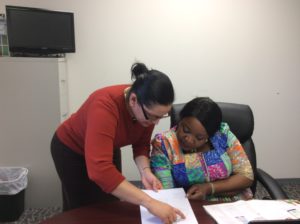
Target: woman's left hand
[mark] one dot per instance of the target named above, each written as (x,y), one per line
(198,191)
(150,181)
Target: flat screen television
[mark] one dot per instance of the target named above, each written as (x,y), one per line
(39,31)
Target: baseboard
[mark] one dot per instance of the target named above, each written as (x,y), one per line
(288,180)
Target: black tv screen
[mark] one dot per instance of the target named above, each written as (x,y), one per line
(40,31)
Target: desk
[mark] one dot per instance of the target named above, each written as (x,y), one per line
(117,213)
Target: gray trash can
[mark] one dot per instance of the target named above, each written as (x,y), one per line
(13,182)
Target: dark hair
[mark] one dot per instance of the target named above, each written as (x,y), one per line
(151,86)
(206,111)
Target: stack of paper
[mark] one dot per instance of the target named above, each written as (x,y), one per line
(175,197)
(242,212)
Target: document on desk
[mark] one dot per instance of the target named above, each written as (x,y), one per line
(241,212)
(175,197)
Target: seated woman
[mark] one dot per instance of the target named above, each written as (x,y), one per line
(202,155)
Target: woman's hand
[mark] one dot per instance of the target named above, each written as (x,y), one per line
(165,212)
(130,193)
(149,180)
(199,191)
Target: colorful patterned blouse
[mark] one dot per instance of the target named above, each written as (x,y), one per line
(176,169)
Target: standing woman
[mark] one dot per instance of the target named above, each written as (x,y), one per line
(112,117)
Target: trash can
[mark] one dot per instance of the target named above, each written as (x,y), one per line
(13,182)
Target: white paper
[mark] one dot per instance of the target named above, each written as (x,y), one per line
(242,212)
(175,197)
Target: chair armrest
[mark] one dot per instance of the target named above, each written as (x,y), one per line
(271,185)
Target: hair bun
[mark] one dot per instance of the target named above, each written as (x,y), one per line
(137,69)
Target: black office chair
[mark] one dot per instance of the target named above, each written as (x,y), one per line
(241,122)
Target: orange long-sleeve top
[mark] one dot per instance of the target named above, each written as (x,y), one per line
(101,124)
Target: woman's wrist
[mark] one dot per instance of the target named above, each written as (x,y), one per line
(146,168)
(146,202)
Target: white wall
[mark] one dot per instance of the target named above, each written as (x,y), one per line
(231,50)
(31,99)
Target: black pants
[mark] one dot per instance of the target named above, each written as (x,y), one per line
(77,189)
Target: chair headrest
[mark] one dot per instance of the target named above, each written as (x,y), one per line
(238,116)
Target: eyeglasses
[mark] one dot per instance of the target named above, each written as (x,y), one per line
(151,117)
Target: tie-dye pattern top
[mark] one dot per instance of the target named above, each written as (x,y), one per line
(174,168)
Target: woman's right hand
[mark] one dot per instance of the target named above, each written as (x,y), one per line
(150,181)
(165,212)
(130,193)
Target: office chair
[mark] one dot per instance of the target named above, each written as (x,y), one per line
(241,122)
